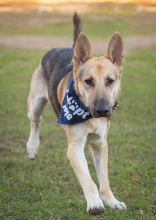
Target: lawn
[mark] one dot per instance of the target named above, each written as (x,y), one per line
(46,188)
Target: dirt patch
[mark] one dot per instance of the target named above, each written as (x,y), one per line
(34,42)
(99,46)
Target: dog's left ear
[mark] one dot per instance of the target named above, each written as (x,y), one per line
(115,49)
(82,50)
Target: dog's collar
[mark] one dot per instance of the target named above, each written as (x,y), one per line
(116,106)
(73,111)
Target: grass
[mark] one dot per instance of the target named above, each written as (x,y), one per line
(47,188)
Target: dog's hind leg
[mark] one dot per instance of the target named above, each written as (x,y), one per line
(37,99)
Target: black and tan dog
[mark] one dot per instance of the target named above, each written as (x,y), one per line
(96,83)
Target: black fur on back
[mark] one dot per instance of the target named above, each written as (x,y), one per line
(57,64)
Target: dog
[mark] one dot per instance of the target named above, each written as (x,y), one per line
(83,91)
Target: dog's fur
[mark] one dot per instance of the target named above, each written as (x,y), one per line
(97,83)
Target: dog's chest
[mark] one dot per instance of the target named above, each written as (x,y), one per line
(98,130)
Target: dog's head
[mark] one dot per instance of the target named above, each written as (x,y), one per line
(97,79)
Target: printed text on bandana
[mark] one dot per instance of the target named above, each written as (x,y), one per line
(75,109)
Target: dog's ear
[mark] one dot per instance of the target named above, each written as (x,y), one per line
(82,50)
(115,49)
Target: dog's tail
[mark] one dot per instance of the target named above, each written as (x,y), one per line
(77,27)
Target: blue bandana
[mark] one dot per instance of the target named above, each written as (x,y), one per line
(73,111)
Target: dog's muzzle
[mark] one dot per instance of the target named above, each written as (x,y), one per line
(101,109)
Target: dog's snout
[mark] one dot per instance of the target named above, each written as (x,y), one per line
(101,112)
(102,109)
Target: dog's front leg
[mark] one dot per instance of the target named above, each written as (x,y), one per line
(100,158)
(76,144)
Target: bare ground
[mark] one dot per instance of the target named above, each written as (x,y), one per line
(98,45)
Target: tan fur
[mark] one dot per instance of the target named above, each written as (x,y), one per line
(62,88)
(37,99)
(91,69)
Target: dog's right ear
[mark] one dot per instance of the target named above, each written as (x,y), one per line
(82,50)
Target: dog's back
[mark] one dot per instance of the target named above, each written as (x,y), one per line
(57,64)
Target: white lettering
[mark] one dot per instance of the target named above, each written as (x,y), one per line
(79,111)
(85,115)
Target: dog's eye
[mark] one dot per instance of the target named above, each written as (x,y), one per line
(89,82)
(109,81)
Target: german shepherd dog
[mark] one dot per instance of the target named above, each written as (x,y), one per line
(97,85)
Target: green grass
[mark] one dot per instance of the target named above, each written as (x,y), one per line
(96,26)
(47,188)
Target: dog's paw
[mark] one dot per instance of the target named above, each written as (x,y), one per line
(113,203)
(96,210)
(32,149)
(95,207)
(31,156)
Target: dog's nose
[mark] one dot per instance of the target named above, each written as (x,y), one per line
(102,110)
